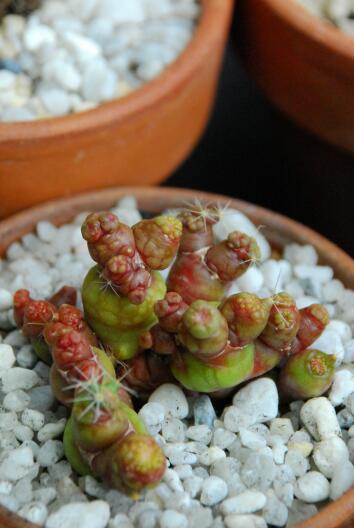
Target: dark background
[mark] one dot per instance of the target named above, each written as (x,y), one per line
(252,152)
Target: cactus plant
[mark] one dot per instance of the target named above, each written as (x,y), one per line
(144,330)
(19,7)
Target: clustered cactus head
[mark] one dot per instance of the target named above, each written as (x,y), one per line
(186,329)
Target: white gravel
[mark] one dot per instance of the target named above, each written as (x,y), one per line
(244,466)
(70,56)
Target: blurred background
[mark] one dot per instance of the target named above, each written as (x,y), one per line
(252,152)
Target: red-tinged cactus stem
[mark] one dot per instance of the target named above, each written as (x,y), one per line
(246,315)
(307,374)
(72,317)
(283,323)
(107,237)
(197,228)
(232,257)
(265,359)
(20,300)
(128,277)
(313,320)
(145,372)
(36,315)
(157,240)
(203,331)
(170,311)
(135,463)
(66,295)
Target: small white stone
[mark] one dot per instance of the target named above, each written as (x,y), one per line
(34,512)
(284,492)
(26,357)
(258,471)
(332,290)
(51,430)
(172,480)
(172,398)
(259,400)
(46,231)
(193,485)
(121,520)
(50,452)
(56,101)
(342,480)
(228,469)
(275,513)
(90,515)
(173,519)
(99,82)
(17,464)
(321,273)
(342,387)
(5,299)
(15,339)
(234,419)
(214,490)
(282,427)
(349,352)
(250,439)
(17,401)
(184,471)
(312,487)
(200,433)
(211,455)
(297,462)
(33,419)
(330,454)
(7,357)
(319,417)
(18,378)
(251,281)
(341,328)
(247,502)
(244,521)
(223,438)
(36,36)
(152,414)
(173,430)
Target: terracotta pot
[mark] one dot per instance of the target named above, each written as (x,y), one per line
(304,65)
(278,229)
(137,140)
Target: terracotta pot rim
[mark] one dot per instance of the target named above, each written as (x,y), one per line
(336,513)
(192,57)
(316,29)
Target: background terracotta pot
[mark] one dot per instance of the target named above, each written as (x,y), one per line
(279,231)
(304,65)
(137,140)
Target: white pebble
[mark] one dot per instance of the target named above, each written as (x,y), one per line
(251,281)
(152,414)
(247,502)
(297,462)
(34,512)
(275,513)
(312,487)
(51,430)
(7,357)
(173,430)
(173,519)
(342,387)
(172,480)
(214,490)
(282,427)
(89,515)
(349,352)
(330,343)
(259,400)
(250,439)
(33,419)
(211,455)
(200,433)
(245,521)
(342,480)
(319,417)
(321,273)
(16,401)
(172,398)
(193,485)
(223,438)
(50,452)
(329,454)
(5,299)
(17,464)
(19,378)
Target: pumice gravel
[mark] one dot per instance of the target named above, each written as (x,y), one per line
(246,466)
(72,55)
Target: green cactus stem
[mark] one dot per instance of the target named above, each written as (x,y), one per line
(114,319)
(307,374)
(226,371)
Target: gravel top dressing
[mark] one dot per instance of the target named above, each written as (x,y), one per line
(338,12)
(253,464)
(71,55)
